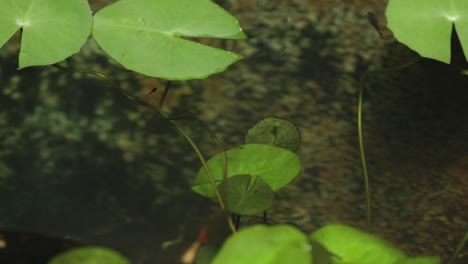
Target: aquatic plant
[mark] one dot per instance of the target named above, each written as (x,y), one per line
(148,37)
(428,32)
(329,244)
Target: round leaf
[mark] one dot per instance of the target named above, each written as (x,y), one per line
(89,255)
(147,36)
(247,196)
(265,245)
(276,132)
(52,29)
(426,25)
(276,166)
(351,245)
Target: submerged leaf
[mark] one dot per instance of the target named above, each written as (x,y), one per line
(247,195)
(276,166)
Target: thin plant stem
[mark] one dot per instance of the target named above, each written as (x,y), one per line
(164,94)
(361,137)
(460,247)
(182,131)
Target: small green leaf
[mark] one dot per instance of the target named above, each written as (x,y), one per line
(426,25)
(89,255)
(52,29)
(276,166)
(147,36)
(265,245)
(275,132)
(246,197)
(350,245)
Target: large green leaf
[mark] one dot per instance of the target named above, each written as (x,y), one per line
(147,36)
(247,195)
(265,245)
(52,29)
(89,255)
(276,166)
(351,245)
(426,25)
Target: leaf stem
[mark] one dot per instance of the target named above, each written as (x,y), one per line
(360,132)
(459,248)
(164,94)
(182,131)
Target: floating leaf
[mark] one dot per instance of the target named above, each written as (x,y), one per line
(147,36)
(247,195)
(426,25)
(52,29)
(276,166)
(89,255)
(350,245)
(265,245)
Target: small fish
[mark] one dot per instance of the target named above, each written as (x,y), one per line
(374,22)
(152,91)
(189,255)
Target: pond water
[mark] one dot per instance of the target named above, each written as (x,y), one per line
(79,161)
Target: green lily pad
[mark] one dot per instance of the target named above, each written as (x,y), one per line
(426,25)
(52,29)
(350,245)
(89,255)
(265,245)
(276,166)
(246,197)
(147,36)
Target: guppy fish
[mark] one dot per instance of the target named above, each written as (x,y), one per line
(374,22)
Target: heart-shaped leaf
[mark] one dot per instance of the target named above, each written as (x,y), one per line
(276,166)
(52,29)
(147,36)
(426,25)
(246,197)
(265,245)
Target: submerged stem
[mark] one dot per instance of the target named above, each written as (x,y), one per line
(182,131)
(361,137)
(164,94)
(459,248)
